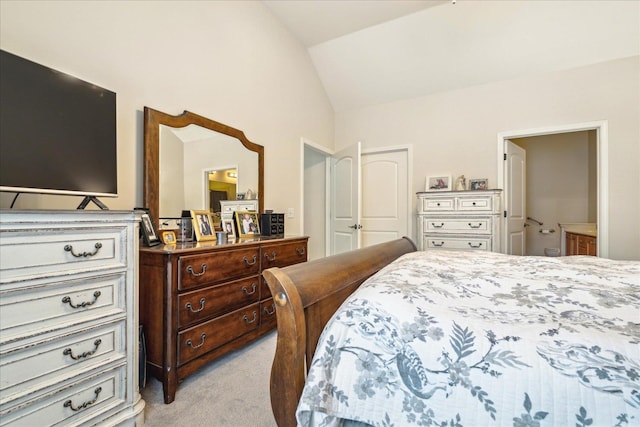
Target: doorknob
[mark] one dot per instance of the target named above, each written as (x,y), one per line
(355,226)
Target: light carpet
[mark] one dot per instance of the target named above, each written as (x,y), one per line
(231,391)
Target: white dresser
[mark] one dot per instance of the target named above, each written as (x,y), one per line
(228,207)
(459,220)
(69,318)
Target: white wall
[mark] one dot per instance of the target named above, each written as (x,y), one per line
(227,60)
(456,132)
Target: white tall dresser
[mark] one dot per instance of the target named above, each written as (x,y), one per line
(459,220)
(69,318)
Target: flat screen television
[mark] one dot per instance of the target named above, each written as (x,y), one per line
(57,132)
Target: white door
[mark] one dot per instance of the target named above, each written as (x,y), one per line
(385,197)
(345,200)
(515,198)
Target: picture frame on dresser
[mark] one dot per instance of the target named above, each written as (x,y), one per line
(438,183)
(148,229)
(227,227)
(203,225)
(168,237)
(247,223)
(479,184)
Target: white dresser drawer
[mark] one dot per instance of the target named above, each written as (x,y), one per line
(481,203)
(62,358)
(478,243)
(456,225)
(72,405)
(52,306)
(50,252)
(439,204)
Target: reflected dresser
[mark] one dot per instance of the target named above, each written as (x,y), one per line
(68,318)
(459,220)
(199,301)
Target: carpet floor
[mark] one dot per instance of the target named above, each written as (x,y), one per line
(231,391)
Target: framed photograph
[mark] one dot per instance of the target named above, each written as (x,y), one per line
(168,237)
(149,231)
(479,184)
(203,225)
(227,227)
(247,223)
(438,183)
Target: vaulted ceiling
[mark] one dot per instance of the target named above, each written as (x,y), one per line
(372,52)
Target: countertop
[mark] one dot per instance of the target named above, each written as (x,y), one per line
(585,228)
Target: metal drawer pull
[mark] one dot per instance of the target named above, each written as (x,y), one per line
(69,352)
(479,245)
(69,403)
(190,343)
(474,203)
(189,307)
(437,226)
(203,268)
(246,319)
(246,291)
(475,226)
(301,251)
(69,248)
(273,254)
(246,261)
(436,244)
(270,309)
(67,300)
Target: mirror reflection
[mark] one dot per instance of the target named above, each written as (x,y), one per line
(192,163)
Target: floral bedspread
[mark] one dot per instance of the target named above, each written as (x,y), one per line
(454,338)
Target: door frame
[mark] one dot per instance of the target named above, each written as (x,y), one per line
(602,143)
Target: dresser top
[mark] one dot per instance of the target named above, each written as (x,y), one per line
(453,192)
(194,246)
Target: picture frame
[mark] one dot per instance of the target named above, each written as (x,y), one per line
(247,223)
(203,225)
(478,184)
(168,237)
(148,229)
(438,183)
(227,227)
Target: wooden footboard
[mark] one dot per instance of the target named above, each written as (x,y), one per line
(306,296)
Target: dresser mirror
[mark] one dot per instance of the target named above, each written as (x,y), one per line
(192,162)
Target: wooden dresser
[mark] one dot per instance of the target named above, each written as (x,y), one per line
(459,220)
(68,318)
(581,244)
(199,301)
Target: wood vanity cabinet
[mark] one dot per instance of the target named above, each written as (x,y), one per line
(580,244)
(199,301)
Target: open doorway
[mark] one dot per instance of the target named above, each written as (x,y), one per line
(558,197)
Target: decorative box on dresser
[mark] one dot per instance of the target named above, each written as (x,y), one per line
(68,318)
(199,301)
(459,220)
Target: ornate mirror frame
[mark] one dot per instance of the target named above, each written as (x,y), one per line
(152,121)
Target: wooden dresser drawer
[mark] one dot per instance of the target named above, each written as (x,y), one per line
(468,225)
(268,314)
(283,254)
(74,404)
(207,336)
(53,361)
(197,305)
(57,305)
(439,204)
(479,243)
(52,253)
(202,269)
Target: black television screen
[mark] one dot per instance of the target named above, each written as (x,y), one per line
(57,132)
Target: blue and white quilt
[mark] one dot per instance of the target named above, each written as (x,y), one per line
(455,338)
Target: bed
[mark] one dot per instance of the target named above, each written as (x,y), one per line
(456,338)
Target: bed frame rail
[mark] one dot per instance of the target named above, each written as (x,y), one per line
(306,296)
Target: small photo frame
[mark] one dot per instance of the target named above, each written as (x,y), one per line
(203,225)
(247,223)
(479,184)
(227,227)
(438,183)
(168,237)
(149,231)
